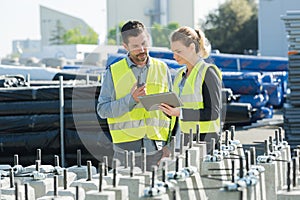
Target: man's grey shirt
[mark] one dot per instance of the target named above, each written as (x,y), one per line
(108,106)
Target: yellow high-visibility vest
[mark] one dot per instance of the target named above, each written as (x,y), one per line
(191,97)
(138,122)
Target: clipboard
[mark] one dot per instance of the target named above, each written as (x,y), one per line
(151,102)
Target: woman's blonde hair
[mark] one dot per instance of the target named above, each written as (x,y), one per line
(188,36)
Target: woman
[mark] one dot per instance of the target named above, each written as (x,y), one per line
(198,84)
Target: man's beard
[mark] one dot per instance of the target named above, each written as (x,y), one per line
(142,57)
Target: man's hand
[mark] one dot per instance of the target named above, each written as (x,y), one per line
(137,92)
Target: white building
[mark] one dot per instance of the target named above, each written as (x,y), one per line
(26,46)
(272,35)
(50,20)
(185,12)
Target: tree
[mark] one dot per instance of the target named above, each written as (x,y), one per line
(57,34)
(159,34)
(74,36)
(232,28)
(112,34)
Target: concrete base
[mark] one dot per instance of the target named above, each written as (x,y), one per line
(41,187)
(210,182)
(43,168)
(21,193)
(271,180)
(88,185)
(70,192)
(81,172)
(160,197)
(234,195)
(71,176)
(202,152)
(126,171)
(104,195)
(292,195)
(55,198)
(135,186)
(121,192)
(148,177)
(197,183)
(194,157)
(108,179)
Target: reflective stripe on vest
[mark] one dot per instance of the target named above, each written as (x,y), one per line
(138,122)
(192,98)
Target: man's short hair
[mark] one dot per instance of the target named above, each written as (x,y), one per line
(131,29)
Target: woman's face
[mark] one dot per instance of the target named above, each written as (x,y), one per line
(182,54)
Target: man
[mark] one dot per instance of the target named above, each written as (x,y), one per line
(131,126)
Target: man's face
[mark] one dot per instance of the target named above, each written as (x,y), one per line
(138,48)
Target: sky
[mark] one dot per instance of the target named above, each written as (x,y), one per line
(20,18)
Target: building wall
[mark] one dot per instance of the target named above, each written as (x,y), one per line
(271,29)
(48,23)
(26,46)
(182,12)
(179,11)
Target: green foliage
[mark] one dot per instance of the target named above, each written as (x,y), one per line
(159,34)
(112,33)
(74,36)
(232,28)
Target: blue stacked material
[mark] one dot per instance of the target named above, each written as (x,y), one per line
(275,93)
(122,51)
(171,63)
(243,83)
(112,58)
(256,101)
(281,77)
(162,54)
(261,113)
(249,63)
(153,53)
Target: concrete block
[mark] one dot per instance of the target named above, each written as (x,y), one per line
(209,181)
(70,192)
(237,195)
(41,187)
(271,180)
(55,198)
(194,157)
(71,176)
(135,186)
(121,192)
(10,192)
(147,175)
(291,195)
(202,151)
(81,172)
(104,195)
(88,185)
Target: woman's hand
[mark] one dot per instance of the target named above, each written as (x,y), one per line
(169,110)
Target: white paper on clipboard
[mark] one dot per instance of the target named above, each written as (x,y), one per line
(152,101)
